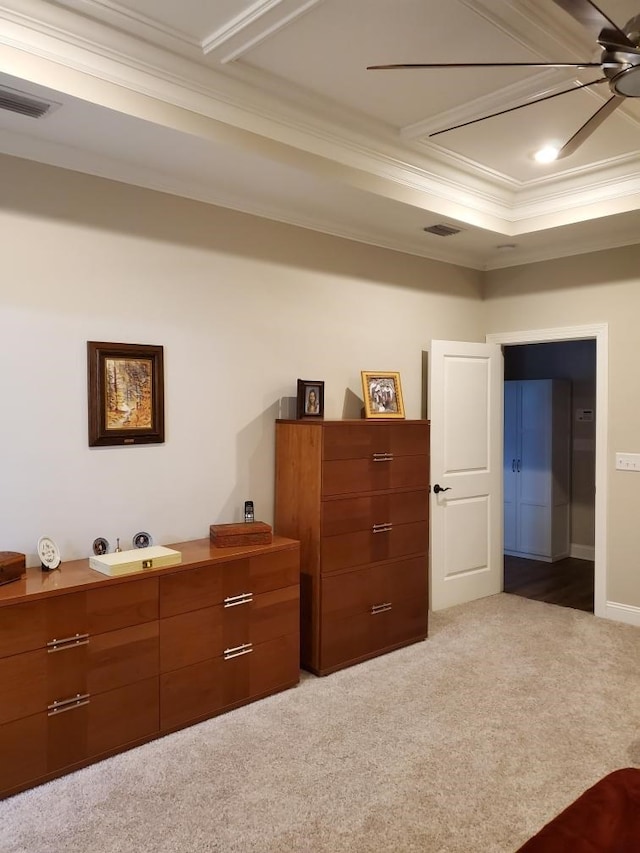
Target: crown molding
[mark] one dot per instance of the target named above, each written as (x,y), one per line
(253,26)
(613,189)
(568,249)
(114,23)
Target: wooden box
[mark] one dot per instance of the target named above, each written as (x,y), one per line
(243,533)
(12,566)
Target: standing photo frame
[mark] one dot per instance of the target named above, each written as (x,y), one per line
(310,400)
(126,393)
(382,394)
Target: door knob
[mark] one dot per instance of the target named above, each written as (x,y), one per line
(438,489)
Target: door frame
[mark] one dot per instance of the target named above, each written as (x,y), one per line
(599,332)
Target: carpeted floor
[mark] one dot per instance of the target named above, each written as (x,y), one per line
(467,742)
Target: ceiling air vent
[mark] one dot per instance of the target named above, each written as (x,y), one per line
(442,230)
(26,105)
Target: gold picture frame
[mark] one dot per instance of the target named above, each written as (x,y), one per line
(382,394)
(126,394)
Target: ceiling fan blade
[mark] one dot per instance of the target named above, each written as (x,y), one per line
(520,106)
(595,21)
(589,126)
(487,65)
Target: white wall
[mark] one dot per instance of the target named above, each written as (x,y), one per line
(242,307)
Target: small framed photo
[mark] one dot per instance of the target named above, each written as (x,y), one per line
(382,394)
(310,399)
(126,394)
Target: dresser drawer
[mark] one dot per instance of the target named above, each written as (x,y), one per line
(57,619)
(22,685)
(352,476)
(371,546)
(22,627)
(362,440)
(99,724)
(345,641)
(213,584)
(347,515)
(110,728)
(120,605)
(33,624)
(198,635)
(367,590)
(118,658)
(210,687)
(23,747)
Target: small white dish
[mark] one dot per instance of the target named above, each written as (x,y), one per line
(49,553)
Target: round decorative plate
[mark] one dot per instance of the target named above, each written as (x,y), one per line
(142,540)
(100,546)
(48,552)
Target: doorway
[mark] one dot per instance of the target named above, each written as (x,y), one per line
(561,573)
(596,444)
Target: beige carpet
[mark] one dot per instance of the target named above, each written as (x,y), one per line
(465,743)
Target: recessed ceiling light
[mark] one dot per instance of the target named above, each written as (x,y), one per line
(546,155)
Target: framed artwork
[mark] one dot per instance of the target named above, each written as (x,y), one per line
(382,394)
(126,394)
(310,403)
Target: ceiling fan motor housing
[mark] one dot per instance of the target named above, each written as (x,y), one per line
(626,82)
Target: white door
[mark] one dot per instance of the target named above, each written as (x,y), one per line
(466,472)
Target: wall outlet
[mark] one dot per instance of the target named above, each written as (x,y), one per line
(628,461)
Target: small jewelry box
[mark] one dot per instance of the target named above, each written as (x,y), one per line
(243,533)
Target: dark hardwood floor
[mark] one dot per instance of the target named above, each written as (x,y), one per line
(568,583)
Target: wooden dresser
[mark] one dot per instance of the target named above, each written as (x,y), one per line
(92,665)
(356,495)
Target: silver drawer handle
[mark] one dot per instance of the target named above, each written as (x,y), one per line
(381,608)
(62,705)
(235,600)
(382,528)
(67,643)
(383,457)
(236,651)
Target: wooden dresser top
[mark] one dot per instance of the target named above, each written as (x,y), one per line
(76,574)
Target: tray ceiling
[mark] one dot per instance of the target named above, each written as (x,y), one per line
(268,107)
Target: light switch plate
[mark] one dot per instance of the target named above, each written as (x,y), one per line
(628,461)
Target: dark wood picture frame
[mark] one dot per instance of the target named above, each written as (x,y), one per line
(382,394)
(126,393)
(310,401)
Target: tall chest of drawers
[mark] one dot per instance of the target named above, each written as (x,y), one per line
(356,496)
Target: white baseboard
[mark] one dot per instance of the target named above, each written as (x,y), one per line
(623,613)
(583,552)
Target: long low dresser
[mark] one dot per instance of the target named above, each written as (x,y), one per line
(93,665)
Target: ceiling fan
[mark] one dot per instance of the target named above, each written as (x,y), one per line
(620,62)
